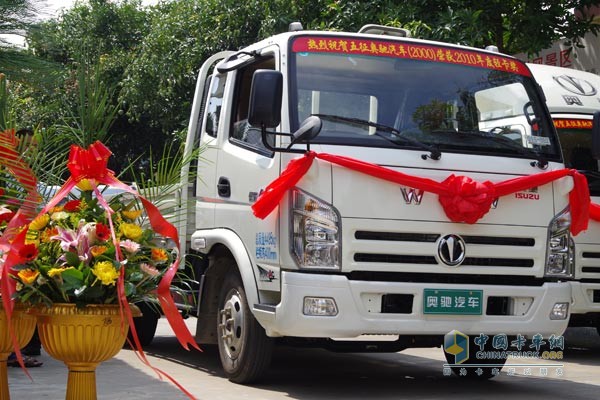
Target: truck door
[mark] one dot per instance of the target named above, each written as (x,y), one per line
(244,168)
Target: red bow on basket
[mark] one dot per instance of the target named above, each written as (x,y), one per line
(462,198)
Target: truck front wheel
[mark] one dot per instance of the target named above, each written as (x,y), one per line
(244,348)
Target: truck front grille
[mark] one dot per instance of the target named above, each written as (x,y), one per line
(497,249)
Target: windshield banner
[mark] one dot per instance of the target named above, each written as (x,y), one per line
(408,50)
(561,123)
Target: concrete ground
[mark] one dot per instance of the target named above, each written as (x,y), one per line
(300,373)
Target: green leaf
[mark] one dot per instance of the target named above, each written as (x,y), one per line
(73,279)
(72,259)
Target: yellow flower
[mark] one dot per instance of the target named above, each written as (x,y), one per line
(158,254)
(106,272)
(131,214)
(57,271)
(131,231)
(85,185)
(39,223)
(28,276)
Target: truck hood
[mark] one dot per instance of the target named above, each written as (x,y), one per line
(375,198)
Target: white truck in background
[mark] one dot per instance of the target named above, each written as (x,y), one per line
(573,97)
(347,257)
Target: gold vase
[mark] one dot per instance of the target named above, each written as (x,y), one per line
(23,325)
(82,338)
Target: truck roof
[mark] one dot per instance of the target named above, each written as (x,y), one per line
(568,90)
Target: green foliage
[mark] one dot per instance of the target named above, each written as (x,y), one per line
(514,26)
(146,59)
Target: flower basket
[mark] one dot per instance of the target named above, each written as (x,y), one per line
(82,337)
(23,324)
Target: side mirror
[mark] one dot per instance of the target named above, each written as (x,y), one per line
(265,98)
(596,136)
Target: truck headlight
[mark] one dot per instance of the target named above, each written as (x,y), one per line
(560,250)
(315,232)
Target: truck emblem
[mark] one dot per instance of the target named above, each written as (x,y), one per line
(411,195)
(576,85)
(451,250)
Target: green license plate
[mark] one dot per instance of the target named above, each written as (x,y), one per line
(452,301)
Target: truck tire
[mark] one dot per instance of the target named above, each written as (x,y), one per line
(244,348)
(480,372)
(145,326)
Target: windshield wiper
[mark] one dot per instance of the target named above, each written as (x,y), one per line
(434,153)
(539,162)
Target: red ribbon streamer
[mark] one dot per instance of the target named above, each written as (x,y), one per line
(595,212)
(463,199)
(91,164)
(13,162)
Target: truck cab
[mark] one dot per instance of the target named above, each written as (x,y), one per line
(346,259)
(573,97)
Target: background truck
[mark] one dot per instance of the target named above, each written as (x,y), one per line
(347,260)
(573,97)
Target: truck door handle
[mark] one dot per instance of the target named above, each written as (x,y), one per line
(224,187)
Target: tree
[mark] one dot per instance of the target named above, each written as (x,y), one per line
(514,26)
(16,18)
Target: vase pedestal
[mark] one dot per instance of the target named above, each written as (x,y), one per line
(82,338)
(23,325)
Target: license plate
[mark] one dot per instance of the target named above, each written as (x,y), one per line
(452,301)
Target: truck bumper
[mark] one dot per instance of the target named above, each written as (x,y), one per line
(359,309)
(583,297)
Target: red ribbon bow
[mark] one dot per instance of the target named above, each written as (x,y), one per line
(466,200)
(91,163)
(463,199)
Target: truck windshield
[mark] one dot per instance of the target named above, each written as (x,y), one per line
(576,140)
(450,99)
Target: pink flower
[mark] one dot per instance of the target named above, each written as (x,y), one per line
(130,246)
(149,269)
(67,237)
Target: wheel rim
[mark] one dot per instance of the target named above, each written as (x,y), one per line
(231,323)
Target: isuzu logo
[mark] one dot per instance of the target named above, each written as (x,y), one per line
(576,85)
(411,195)
(451,250)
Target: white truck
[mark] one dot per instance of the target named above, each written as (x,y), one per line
(573,97)
(349,261)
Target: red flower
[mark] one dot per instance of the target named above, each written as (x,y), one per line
(6,215)
(72,206)
(102,232)
(28,252)
(1,192)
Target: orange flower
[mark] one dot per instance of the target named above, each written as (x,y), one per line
(98,250)
(47,234)
(28,276)
(158,254)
